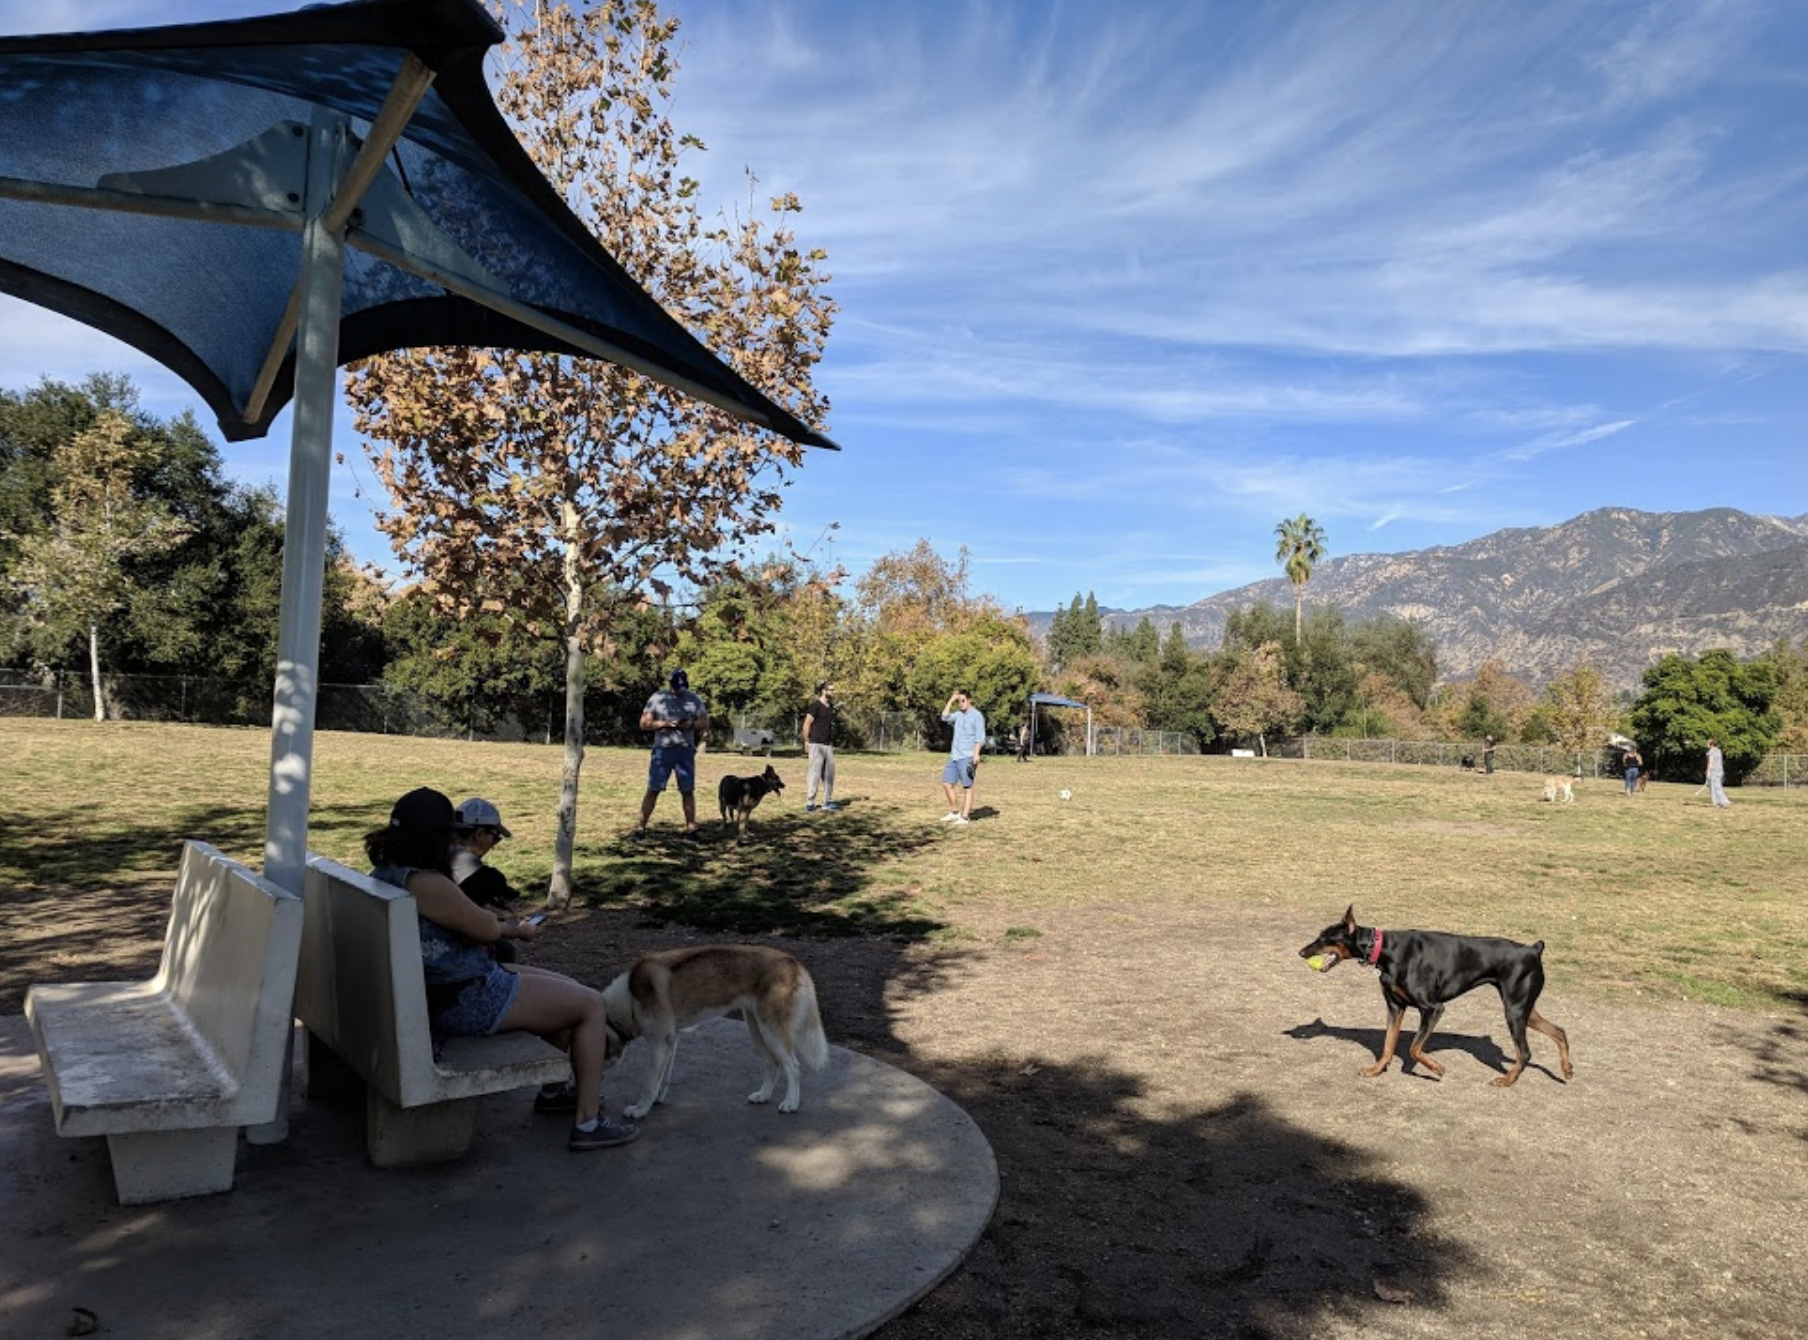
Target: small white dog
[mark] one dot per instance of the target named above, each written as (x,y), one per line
(1559,788)
(681,988)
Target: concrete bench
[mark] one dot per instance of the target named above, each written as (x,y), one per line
(361,995)
(170,1069)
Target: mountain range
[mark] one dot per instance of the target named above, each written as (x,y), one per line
(1617,587)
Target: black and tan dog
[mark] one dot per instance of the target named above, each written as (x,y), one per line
(1428,969)
(738,796)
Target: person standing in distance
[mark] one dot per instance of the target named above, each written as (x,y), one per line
(819,744)
(1488,756)
(963,755)
(1717,775)
(675,716)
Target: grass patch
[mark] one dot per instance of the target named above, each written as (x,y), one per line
(1647,893)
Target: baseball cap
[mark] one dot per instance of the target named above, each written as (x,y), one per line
(423,807)
(479,813)
(680,680)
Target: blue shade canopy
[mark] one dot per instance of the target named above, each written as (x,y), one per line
(152,180)
(1053,700)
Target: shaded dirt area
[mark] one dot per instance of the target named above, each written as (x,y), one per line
(1186,1148)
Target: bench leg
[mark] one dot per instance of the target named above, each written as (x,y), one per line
(401,1137)
(169,1165)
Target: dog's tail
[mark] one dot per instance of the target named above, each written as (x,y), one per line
(806,1025)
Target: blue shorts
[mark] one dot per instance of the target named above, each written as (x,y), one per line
(479,1009)
(959,772)
(669,759)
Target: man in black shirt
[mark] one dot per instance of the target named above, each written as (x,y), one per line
(819,731)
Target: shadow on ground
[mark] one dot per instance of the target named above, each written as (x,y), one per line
(1781,1055)
(792,873)
(1245,1224)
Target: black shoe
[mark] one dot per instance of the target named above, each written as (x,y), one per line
(562,1099)
(692,836)
(637,835)
(607,1135)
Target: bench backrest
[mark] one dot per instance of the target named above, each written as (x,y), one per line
(360,988)
(229,962)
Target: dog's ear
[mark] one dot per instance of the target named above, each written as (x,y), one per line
(1349,917)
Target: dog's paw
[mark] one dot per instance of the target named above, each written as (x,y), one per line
(789,1105)
(760,1096)
(637,1111)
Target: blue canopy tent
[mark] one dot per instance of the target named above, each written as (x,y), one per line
(1041,700)
(255,202)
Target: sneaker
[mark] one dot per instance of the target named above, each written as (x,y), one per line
(692,835)
(639,834)
(962,819)
(606,1135)
(810,808)
(562,1099)
(830,807)
(951,817)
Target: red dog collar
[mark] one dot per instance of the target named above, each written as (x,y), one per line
(1375,949)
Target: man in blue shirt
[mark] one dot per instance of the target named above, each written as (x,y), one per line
(963,755)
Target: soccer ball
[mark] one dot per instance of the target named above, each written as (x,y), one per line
(1067,795)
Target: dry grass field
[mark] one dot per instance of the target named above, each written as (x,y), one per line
(1109,985)
(1658,893)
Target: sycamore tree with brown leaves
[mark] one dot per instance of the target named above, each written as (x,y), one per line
(561,491)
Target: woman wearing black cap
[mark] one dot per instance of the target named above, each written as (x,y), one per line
(469,994)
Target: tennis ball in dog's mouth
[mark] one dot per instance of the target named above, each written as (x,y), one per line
(1319,963)
(1067,795)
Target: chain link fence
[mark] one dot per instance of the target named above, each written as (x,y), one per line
(1121,741)
(1784,770)
(380,709)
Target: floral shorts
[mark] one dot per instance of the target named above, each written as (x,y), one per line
(480,1007)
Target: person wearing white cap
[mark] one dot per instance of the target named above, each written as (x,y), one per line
(480,828)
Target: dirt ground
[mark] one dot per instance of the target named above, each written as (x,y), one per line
(1186,1148)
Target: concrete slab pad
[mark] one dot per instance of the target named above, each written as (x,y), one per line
(723,1220)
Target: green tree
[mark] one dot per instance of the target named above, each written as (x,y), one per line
(993,658)
(1252,699)
(1319,668)
(1402,653)
(1299,545)
(566,491)
(1790,664)
(1579,709)
(1178,689)
(1687,702)
(1075,632)
(902,604)
(1141,644)
(75,573)
(1254,626)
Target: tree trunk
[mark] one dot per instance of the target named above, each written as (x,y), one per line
(1299,604)
(100,703)
(559,895)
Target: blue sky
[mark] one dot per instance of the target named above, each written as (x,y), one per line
(1119,293)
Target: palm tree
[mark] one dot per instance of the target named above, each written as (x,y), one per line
(1299,544)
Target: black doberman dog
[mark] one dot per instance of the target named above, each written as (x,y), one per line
(1428,969)
(738,795)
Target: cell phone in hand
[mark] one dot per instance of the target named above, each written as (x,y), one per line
(533,920)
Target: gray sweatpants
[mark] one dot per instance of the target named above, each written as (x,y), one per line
(822,772)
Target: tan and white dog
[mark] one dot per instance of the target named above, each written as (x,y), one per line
(681,988)
(1559,788)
